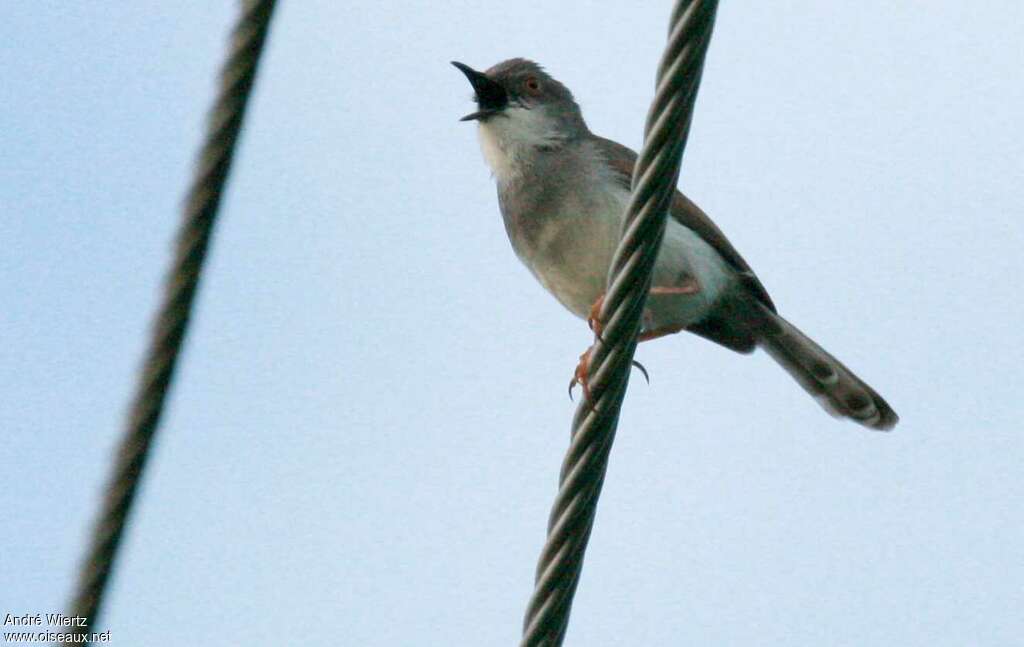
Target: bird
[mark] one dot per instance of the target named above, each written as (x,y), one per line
(563,192)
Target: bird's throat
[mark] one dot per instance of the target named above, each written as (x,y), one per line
(502,156)
(512,140)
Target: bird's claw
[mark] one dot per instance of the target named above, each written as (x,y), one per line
(581,374)
(643,371)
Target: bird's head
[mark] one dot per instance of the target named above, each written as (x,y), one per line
(521,105)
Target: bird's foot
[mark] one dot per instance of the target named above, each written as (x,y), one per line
(582,373)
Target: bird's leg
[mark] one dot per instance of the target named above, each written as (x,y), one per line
(594,320)
(689,286)
(582,372)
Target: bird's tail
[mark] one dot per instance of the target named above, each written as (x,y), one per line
(834,386)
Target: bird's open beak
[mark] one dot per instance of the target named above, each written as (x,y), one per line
(491,98)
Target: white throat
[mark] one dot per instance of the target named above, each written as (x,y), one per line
(509,139)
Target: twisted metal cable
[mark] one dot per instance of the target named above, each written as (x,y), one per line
(199,212)
(629,280)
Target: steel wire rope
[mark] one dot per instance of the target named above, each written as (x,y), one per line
(199,213)
(594,424)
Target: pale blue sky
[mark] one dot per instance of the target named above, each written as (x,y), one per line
(363,442)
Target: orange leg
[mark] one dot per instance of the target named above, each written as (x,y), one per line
(581,374)
(690,286)
(595,312)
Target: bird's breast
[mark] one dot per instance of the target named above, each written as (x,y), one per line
(567,240)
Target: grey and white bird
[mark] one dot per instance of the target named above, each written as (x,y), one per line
(563,192)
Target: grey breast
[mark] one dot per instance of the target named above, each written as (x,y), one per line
(563,217)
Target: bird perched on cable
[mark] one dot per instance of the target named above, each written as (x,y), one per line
(563,193)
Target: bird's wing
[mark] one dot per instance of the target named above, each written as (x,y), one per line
(622,160)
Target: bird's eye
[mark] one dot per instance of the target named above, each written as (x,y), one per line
(532,85)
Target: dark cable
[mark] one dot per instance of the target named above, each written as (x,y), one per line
(199,214)
(593,429)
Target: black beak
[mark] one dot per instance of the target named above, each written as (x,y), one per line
(491,98)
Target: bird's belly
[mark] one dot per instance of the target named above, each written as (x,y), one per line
(570,257)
